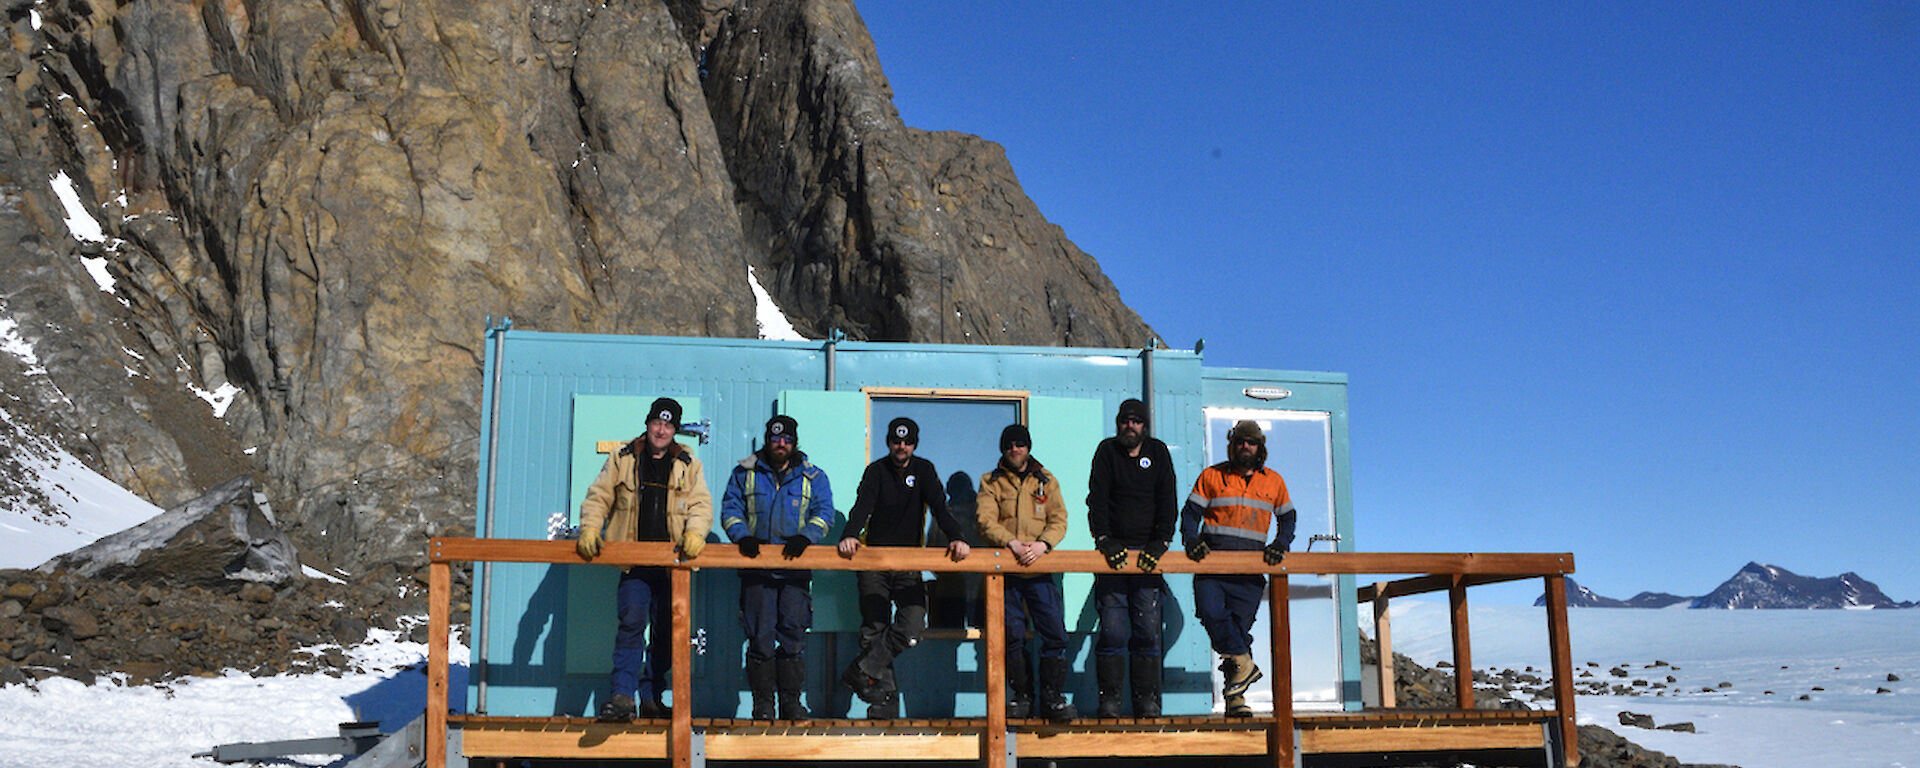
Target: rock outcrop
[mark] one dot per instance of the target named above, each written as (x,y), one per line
(313,206)
(225,535)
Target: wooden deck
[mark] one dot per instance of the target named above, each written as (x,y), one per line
(1281,736)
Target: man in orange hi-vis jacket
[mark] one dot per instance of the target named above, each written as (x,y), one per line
(1232,505)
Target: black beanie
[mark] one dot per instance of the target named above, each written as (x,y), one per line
(903,428)
(1014,433)
(783,425)
(665,409)
(1131,407)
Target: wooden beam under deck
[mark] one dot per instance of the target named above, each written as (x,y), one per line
(961,738)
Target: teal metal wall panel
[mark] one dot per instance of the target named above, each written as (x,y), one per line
(738,383)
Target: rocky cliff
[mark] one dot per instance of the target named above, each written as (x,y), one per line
(312,206)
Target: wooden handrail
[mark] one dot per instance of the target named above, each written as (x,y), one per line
(1450,571)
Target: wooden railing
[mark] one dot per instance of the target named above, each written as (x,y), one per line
(1453,572)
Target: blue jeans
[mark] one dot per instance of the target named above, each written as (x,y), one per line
(776,611)
(1130,621)
(642,659)
(1037,602)
(1226,606)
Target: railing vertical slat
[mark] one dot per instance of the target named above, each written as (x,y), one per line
(439,609)
(1280,620)
(680,746)
(1559,638)
(995,743)
(1462,645)
(1383,631)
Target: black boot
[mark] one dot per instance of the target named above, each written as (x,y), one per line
(1111,673)
(887,708)
(1020,680)
(870,676)
(1146,685)
(792,674)
(1053,690)
(760,681)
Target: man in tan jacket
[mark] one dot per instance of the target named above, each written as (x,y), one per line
(652,489)
(1020,508)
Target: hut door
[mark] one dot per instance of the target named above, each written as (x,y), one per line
(1300,448)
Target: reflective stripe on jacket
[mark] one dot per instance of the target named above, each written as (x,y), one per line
(771,507)
(1234,511)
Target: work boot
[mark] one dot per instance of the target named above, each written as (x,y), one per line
(1238,673)
(1110,672)
(1020,680)
(617,709)
(1146,685)
(792,675)
(655,709)
(1236,706)
(1053,690)
(887,708)
(760,681)
(869,677)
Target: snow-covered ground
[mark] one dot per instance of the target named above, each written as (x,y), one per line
(65,723)
(1771,658)
(87,507)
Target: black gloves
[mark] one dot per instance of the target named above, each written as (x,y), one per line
(1112,550)
(1198,550)
(1149,560)
(1274,553)
(749,546)
(796,545)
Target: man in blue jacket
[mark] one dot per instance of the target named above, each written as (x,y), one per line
(776,495)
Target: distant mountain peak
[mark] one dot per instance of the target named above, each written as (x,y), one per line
(1755,585)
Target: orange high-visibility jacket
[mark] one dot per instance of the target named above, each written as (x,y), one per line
(1234,511)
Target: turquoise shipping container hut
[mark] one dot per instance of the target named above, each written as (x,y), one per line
(542,635)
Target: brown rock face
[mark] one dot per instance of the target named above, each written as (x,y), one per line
(320,202)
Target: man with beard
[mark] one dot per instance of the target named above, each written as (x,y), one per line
(1130,505)
(776,495)
(890,510)
(655,490)
(1020,509)
(1231,507)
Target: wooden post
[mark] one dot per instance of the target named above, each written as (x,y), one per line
(680,744)
(1462,644)
(1280,739)
(439,608)
(1560,650)
(995,743)
(1383,631)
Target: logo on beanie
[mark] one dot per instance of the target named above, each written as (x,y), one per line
(664,415)
(910,479)
(777,428)
(1145,462)
(900,431)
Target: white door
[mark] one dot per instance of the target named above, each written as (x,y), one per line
(1300,448)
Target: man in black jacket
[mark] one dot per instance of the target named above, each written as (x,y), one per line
(1130,505)
(890,510)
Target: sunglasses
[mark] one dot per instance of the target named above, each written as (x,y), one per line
(1245,441)
(1019,444)
(788,439)
(1133,420)
(891,440)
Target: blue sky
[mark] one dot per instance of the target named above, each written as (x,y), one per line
(1631,280)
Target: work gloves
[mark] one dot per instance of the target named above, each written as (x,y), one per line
(749,546)
(795,546)
(1198,549)
(1115,554)
(589,544)
(1274,553)
(693,546)
(1148,560)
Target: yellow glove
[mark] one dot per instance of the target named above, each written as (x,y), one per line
(589,544)
(692,546)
